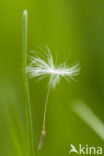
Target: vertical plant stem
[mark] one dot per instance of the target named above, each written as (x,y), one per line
(27,96)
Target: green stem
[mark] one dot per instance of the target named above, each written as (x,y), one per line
(27,96)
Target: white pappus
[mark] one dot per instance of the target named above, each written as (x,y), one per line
(43,66)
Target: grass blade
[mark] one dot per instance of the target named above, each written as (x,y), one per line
(27,96)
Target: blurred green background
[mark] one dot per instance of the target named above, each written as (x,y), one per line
(75,30)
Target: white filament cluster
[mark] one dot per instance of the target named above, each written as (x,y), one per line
(43,67)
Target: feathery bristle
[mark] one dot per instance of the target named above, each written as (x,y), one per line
(41,68)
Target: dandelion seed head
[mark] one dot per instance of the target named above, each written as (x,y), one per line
(43,67)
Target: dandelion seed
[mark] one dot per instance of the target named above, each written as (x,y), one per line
(41,68)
